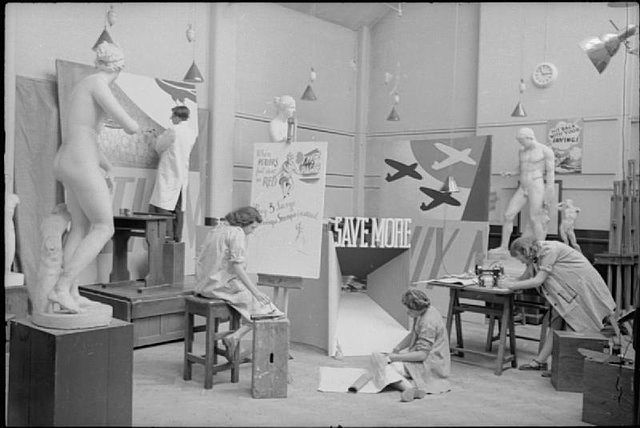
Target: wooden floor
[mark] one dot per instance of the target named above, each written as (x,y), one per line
(478,398)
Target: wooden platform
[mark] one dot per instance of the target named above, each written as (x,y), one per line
(157,313)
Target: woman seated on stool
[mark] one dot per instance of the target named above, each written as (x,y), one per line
(577,293)
(221,274)
(426,357)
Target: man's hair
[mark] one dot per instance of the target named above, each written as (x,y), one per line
(243,217)
(181,112)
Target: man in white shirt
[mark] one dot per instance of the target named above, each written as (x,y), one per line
(174,147)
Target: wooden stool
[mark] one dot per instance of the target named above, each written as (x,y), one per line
(215,311)
(270,358)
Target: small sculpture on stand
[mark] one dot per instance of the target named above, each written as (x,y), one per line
(283,127)
(536,186)
(569,215)
(11,200)
(45,312)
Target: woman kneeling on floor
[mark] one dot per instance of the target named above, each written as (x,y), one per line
(423,356)
(221,274)
(577,293)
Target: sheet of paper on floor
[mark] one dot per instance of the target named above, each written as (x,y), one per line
(339,379)
(364,327)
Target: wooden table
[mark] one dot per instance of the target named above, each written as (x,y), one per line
(500,306)
(151,227)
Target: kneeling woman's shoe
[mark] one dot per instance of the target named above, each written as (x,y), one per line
(533,365)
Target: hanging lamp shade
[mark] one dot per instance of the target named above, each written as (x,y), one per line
(104,37)
(601,49)
(193,75)
(450,185)
(308,94)
(393,115)
(519,111)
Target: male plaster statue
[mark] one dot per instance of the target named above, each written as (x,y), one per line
(569,216)
(86,173)
(536,175)
(11,200)
(283,127)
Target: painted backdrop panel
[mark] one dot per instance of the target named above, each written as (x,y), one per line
(288,189)
(415,171)
(149,101)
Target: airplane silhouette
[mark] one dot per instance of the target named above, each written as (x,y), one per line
(438,197)
(178,91)
(403,170)
(454,156)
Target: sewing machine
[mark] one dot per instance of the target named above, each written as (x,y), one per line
(488,277)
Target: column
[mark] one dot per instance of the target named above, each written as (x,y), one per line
(362,110)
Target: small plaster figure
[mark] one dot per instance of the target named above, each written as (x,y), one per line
(11,200)
(569,215)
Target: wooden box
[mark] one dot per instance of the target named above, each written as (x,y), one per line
(607,399)
(70,377)
(567,362)
(173,262)
(270,358)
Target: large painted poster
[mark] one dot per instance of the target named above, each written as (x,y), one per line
(416,170)
(564,136)
(288,189)
(149,101)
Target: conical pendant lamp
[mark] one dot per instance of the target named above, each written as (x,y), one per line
(450,185)
(519,110)
(193,75)
(308,94)
(601,49)
(393,115)
(104,37)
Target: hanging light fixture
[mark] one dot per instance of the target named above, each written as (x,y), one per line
(109,20)
(193,74)
(395,93)
(308,94)
(519,110)
(601,49)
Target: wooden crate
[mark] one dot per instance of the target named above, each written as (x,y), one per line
(567,362)
(607,398)
(270,358)
(70,377)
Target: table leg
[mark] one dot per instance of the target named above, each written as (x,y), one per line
(512,333)
(119,270)
(458,320)
(618,290)
(489,343)
(503,337)
(285,300)
(155,236)
(452,297)
(627,286)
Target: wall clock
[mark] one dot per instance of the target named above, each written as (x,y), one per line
(544,74)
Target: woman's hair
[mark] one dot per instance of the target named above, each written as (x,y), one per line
(284,101)
(243,217)
(181,112)
(415,299)
(109,57)
(527,246)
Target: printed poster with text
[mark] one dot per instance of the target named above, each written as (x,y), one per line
(288,190)
(564,136)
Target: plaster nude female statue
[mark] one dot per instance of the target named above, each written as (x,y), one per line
(283,127)
(537,177)
(11,200)
(569,216)
(86,173)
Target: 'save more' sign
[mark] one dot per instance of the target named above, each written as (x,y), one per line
(367,232)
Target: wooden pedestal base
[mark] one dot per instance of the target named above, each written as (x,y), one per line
(93,316)
(70,377)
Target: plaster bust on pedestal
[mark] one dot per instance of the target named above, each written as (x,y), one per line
(283,127)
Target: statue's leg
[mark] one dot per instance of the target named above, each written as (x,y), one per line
(572,239)
(537,211)
(94,202)
(515,205)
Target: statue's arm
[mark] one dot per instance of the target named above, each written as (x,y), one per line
(111,106)
(549,165)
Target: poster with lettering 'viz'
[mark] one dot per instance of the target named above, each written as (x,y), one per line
(565,139)
(287,189)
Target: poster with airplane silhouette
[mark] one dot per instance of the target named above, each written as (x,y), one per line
(148,100)
(287,188)
(415,172)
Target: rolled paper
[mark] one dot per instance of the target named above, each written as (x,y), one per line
(360,382)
